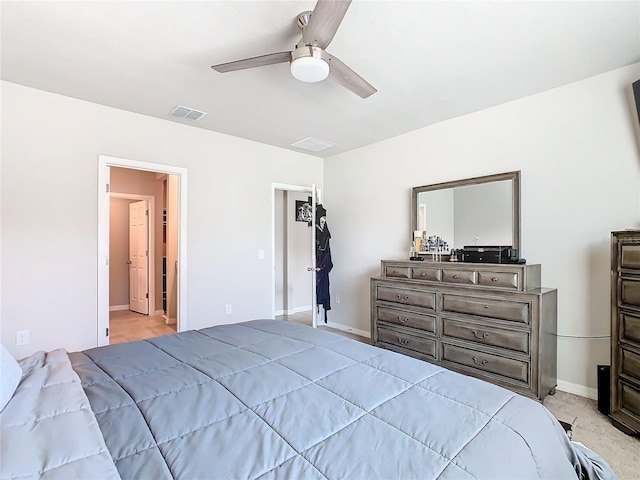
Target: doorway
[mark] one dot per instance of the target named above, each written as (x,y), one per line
(163,190)
(138,293)
(293,254)
(138,298)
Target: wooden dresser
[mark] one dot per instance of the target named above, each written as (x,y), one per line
(491,321)
(625,330)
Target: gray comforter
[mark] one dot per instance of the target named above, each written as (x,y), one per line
(269,399)
(47,430)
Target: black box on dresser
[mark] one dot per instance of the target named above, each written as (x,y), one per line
(491,321)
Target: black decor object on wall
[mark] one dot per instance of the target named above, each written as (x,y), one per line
(304,211)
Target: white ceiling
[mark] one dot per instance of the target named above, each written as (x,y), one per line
(429,60)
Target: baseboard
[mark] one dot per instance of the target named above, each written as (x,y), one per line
(344,328)
(576,389)
(306,308)
(169,321)
(116,308)
(159,312)
(291,311)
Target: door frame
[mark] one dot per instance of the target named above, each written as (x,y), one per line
(313,191)
(151,244)
(104,164)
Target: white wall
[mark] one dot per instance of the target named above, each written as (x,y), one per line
(49,149)
(578,154)
(280,226)
(299,282)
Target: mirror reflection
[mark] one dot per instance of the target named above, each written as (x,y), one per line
(480,211)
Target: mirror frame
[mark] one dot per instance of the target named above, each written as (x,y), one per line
(515,197)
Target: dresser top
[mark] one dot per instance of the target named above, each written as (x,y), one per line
(509,276)
(432,264)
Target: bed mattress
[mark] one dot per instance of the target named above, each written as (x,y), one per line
(270,399)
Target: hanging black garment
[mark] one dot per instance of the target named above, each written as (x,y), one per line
(323,260)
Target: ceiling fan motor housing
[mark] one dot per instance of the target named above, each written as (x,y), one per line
(309,64)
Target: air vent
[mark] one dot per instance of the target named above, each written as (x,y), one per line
(313,144)
(188,113)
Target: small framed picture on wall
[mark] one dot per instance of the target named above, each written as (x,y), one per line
(303,210)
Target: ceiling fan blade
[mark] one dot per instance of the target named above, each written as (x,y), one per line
(349,79)
(324,22)
(252,62)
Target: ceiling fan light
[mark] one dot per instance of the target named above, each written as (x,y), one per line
(309,69)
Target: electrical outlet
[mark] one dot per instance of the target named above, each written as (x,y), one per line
(260,254)
(227,309)
(22,337)
(337,298)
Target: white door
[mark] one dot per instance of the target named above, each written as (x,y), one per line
(313,255)
(138,257)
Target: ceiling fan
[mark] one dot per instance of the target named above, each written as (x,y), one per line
(309,60)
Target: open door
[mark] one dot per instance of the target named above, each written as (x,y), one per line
(139,257)
(314,267)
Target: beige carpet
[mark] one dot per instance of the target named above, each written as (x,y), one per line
(594,430)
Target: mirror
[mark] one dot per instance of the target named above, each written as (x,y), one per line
(483,211)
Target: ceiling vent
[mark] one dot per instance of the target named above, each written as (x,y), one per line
(313,144)
(188,113)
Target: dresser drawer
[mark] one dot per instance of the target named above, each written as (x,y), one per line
(629,399)
(629,328)
(630,363)
(516,341)
(507,367)
(396,272)
(407,297)
(408,319)
(498,279)
(432,274)
(504,310)
(465,277)
(630,292)
(630,256)
(403,340)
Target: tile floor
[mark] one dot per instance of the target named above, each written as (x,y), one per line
(127,326)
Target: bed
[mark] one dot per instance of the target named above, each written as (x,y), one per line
(269,399)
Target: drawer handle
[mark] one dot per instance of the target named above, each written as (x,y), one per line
(486,306)
(403,320)
(456,276)
(494,279)
(484,335)
(480,364)
(403,341)
(400,297)
(423,274)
